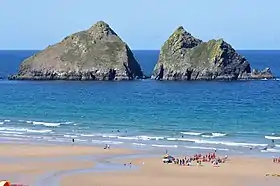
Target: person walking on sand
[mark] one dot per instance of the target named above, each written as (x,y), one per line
(73,140)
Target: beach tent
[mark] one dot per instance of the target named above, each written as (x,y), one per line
(5,183)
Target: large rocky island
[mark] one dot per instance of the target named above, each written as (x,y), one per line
(94,54)
(184,57)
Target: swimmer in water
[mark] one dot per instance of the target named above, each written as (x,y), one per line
(273,143)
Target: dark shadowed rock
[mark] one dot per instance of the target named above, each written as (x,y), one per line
(94,54)
(184,57)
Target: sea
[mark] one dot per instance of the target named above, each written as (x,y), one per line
(238,117)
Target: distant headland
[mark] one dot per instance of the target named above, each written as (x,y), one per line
(99,54)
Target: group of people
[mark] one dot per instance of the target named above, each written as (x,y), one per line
(199,158)
(276,160)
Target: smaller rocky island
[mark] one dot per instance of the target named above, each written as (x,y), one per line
(184,57)
(94,54)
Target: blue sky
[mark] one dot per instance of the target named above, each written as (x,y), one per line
(143,24)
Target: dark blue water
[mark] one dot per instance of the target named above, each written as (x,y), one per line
(229,116)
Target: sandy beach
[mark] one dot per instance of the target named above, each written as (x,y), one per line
(237,171)
(40,165)
(28,163)
(33,150)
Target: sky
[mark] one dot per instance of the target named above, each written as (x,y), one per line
(142,24)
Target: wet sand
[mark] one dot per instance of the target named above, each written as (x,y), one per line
(34,150)
(28,163)
(28,172)
(73,165)
(237,171)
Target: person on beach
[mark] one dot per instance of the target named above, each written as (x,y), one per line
(107,146)
(73,140)
(226,157)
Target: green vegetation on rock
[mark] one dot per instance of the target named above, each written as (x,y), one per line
(94,54)
(184,57)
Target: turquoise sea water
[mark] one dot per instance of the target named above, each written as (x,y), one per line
(231,117)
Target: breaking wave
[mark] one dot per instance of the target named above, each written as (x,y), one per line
(227,143)
(165,146)
(205,134)
(24,130)
(45,124)
(273,137)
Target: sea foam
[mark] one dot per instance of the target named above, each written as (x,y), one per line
(205,134)
(192,133)
(273,137)
(214,135)
(23,130)
(165,146)
(46,124)
(205,148)
(227,143)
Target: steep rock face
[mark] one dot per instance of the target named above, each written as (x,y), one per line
(184,57)
(94,54)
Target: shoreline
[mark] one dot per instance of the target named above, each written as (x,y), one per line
(61,132)
(144,150)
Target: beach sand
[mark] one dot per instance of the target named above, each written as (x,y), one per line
(237,171)
(28,172)
(25,163)
(33,150)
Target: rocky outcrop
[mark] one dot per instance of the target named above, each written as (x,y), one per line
(184,57)
(264,74)
(94,54)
